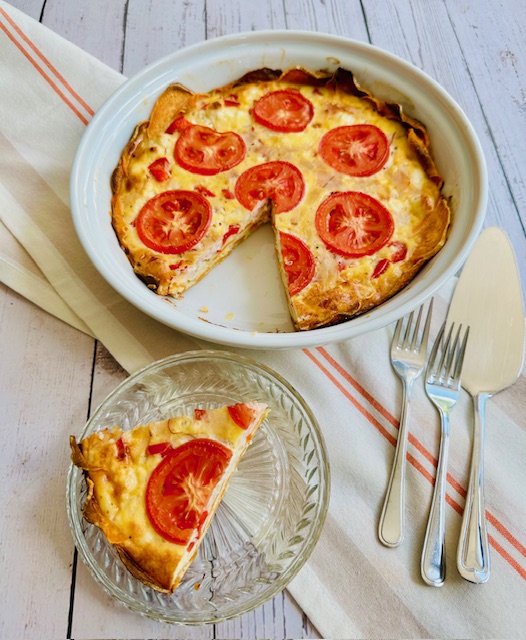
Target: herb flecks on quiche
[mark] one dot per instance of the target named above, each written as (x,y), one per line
(347,181)
(153,490)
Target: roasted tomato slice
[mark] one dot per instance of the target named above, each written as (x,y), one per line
(298,262)
(358,150)
(380,268)
(161,447)
(179,124)
(282,182)
(207,152)
(353,224)
(160,169)
(286,111)
(180,486)
(399,251)
(241,414)
(174,221)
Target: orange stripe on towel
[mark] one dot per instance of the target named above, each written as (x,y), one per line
(415,463)
(41,71)
(509,559)
(349,397)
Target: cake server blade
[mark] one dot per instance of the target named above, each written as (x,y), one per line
(487,298)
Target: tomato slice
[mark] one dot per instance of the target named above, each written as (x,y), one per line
(298,262)
(123,450)
(286,110)
(231,231)
(282,182)
(180,486)
(353,224)
(380,268)
(161,447)
(160,169)
(241,414)
(207,152)
(357,150)
(204,191)
(179,124)
(399,250)
(174,221)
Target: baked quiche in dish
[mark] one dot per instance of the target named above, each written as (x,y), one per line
(347,182)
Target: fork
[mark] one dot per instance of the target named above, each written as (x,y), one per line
(442,387)
(408,356)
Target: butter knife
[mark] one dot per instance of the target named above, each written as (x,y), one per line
(487,298)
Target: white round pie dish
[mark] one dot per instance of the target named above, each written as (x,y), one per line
(241,303)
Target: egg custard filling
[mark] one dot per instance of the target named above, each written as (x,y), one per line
(347,182)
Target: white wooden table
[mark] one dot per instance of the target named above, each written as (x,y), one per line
(52,376)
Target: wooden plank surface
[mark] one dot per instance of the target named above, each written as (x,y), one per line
(469,49)
(55,375)
(45,382)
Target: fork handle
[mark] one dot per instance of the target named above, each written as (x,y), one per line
(433,563)
(473,560)
(391,526)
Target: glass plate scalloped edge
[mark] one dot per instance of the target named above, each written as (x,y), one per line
(271,515)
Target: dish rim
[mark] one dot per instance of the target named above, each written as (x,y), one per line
(414,294)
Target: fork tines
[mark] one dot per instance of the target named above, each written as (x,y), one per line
(449,365)
(410,340)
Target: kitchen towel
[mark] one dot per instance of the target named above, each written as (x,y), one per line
(352,586)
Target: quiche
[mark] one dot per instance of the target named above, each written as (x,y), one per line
(153,490)
(347,181)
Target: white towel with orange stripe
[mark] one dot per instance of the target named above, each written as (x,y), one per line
(352,586)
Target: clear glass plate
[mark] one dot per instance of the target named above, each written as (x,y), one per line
(271,515)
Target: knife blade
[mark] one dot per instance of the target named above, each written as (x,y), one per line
(488,298)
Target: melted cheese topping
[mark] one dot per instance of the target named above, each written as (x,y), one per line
(341,287)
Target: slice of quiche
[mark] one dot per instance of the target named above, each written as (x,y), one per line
(153,490)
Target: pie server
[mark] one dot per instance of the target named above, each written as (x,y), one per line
(487,298)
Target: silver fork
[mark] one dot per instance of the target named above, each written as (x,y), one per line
(408,354)
(442,387)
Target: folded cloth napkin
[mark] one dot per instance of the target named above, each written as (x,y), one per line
(352,586)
